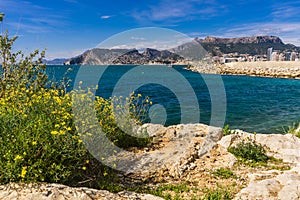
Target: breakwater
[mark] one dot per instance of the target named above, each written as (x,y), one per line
(282,69)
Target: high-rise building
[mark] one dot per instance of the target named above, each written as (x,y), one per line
(281,57)
(269,54)
(288,56)
(293,56)
(275,56)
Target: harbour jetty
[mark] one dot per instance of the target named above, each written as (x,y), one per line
(280,69)
(277,69)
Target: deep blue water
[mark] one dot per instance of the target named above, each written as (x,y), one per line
(264,105)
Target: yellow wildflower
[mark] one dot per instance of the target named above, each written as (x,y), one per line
(18,157)
(84,168)
(34,143)
(54,132)
(23,172)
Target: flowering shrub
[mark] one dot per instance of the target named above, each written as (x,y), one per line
(38,141)
(119,119)
(38,137)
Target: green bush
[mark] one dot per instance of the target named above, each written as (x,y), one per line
(119,119)
(38,136)
(227,130)
(38,141)
(20,71)
(249,151)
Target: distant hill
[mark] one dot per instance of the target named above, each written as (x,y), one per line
(99,56)
(57,61)
(241,40)
(256,45)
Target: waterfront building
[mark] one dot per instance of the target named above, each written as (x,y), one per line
(269,54)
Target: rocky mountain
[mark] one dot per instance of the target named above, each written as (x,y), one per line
(99,56)
(241,40)
(256,45)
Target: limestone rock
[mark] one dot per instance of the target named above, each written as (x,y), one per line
(285,186)
(175,149)
(285,147)
(272,184)
(44,191)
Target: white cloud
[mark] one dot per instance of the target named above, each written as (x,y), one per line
(138,38)
(32,17)
(50,55)
(198,34)
(177,11)
(105,16)
(154,44)
(285,10)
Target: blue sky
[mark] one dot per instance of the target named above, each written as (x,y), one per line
(68,27)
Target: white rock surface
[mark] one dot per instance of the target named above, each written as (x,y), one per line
(44,191)
(272,184)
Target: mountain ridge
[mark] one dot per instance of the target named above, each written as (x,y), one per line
(98,56)
(242,40)
(215,46)
(255,45)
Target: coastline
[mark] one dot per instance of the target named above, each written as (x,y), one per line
(274,69)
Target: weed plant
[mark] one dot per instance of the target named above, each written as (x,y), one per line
(249,151)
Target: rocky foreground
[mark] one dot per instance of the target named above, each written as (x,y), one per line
(190,154)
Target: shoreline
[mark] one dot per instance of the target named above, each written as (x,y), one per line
(270,69)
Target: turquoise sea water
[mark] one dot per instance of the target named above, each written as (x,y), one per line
(264,105)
